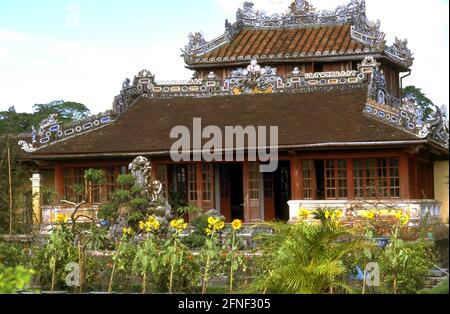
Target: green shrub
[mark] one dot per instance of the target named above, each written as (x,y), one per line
(14,279)
(197,238)
(406,265)
(125,181)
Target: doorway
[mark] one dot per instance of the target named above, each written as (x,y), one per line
(283,191)
(232,191)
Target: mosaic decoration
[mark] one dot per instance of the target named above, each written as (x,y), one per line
(402,113)
(51,130)
(301,14)
(251,80)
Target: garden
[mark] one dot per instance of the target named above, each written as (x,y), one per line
(139,243)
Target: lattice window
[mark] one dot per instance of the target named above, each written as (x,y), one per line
(254,181)
(336,179)
(342,179)
(161,176)
(377,178)
(111,175)
(192,186)
(358,170)
(370,178)
(382,175)
(208,183)
(74,188)
(394,180)
(308,177)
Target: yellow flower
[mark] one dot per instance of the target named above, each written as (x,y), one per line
(208,231)
(60,218)
(327,214)
(127,231)
(221,225)
(185,226)
(399,215)
(339,214)
(304,213)
(237,224)
(370,216)
(211,220)
(141,225)
(174,224)
(405,220)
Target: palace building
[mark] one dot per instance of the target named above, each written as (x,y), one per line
(327,79)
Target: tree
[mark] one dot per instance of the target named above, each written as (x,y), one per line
(67,111)
(423,103)
(13,122)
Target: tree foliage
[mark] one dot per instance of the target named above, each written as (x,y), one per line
(14,122)
(423,103)
(305,259)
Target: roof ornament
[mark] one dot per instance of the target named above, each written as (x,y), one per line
(400,50)
(27,147)
(437,128)
(196,41)
(49,123)
(301,7)
(254,79)
(377,87)
(367,32)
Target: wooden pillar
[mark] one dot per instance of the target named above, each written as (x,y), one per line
(199,185)
(296,178)
(59,181)
(404,178)
(246,184)
(350,179)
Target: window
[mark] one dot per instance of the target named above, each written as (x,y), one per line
(77,189)
(161,176)
(336,179)
(208,184)
(394,178)
(254,181)
(74,188)
(377,178)
(192,187)
(111,174)
(308,187)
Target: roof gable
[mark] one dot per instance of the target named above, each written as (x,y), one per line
(301,32)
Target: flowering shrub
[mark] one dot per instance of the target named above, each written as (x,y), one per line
(211,252)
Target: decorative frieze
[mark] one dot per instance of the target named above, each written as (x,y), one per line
(251,80)
(401,113)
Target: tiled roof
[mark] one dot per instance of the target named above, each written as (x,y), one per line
(303,119)
(285,43)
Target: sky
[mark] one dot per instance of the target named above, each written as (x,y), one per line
(83,50)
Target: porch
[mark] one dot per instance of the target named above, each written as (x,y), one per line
(333,180)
